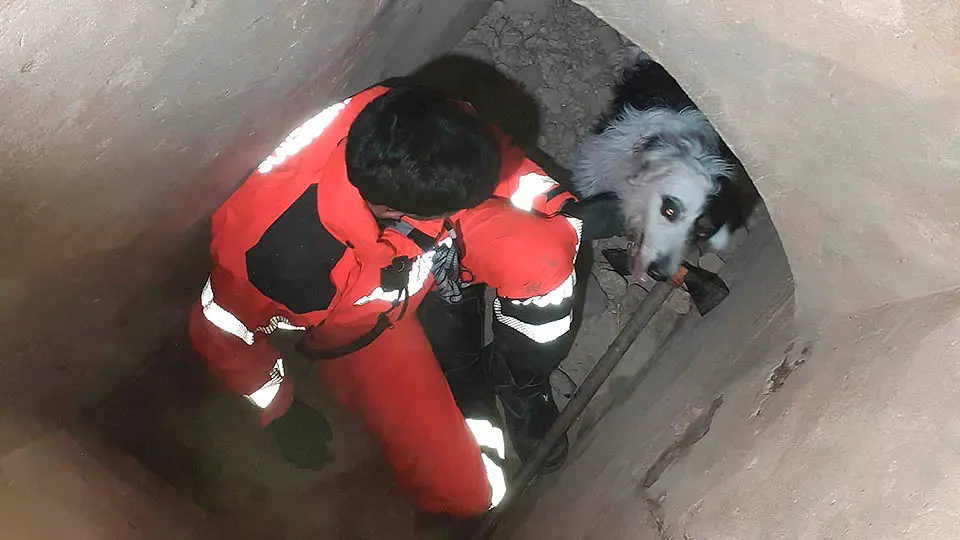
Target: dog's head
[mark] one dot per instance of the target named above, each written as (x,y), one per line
(674,187)
(681,199)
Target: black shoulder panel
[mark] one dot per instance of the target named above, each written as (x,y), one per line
(291,263)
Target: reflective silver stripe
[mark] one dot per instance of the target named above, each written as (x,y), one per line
(263,397)
(532,185)
(489,436)
(299,138)
(229,323)
(541,333)
(577,225)
(546,332)
(565,289)
(278,322)
(222,318)
(419,273)
(552,298)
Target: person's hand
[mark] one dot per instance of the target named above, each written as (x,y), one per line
(601,215)
(302,434)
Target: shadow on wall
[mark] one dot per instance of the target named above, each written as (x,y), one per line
(503,101)
(498,99)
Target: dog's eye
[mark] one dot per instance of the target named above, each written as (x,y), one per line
(670,208)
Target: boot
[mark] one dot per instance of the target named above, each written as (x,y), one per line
(529,411)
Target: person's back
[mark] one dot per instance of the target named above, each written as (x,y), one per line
(343,231)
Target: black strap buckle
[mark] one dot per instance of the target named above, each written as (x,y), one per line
(396,275)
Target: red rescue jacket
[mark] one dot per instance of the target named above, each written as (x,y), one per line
(296,247)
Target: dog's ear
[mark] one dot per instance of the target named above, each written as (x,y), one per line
(722,216)
(727,204)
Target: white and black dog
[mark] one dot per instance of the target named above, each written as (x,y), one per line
(669,169)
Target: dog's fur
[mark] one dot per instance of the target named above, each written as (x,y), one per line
(661,157)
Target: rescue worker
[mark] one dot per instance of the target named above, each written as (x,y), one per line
(379,201)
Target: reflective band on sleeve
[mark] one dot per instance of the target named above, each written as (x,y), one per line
(541,333)
(419,272)
(264,396)
(565,289)
(552,298)
(532,185)
(299,138)
(577,225)
(489,436)
(278,322)
(222,318)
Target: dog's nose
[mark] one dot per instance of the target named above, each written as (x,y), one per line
(657,273)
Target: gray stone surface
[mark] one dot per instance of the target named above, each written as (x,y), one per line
(562,54)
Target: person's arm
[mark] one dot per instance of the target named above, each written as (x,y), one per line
(240,357)
(530,189)
(529,259)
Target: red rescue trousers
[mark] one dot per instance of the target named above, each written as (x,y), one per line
(397,388)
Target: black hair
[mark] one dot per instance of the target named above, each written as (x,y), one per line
(417,152)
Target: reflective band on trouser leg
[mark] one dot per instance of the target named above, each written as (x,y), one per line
(490,437)
(264,396)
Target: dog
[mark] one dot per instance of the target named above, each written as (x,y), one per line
(658,154)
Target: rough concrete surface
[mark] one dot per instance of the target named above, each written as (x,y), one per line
(860,443)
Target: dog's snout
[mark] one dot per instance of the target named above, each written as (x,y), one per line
(657,273)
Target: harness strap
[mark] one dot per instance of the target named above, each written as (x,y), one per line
(426,243)
(383,322)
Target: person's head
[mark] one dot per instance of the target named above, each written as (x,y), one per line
(412,151)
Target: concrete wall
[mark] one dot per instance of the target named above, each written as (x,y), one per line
(847,115)
(123,125)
